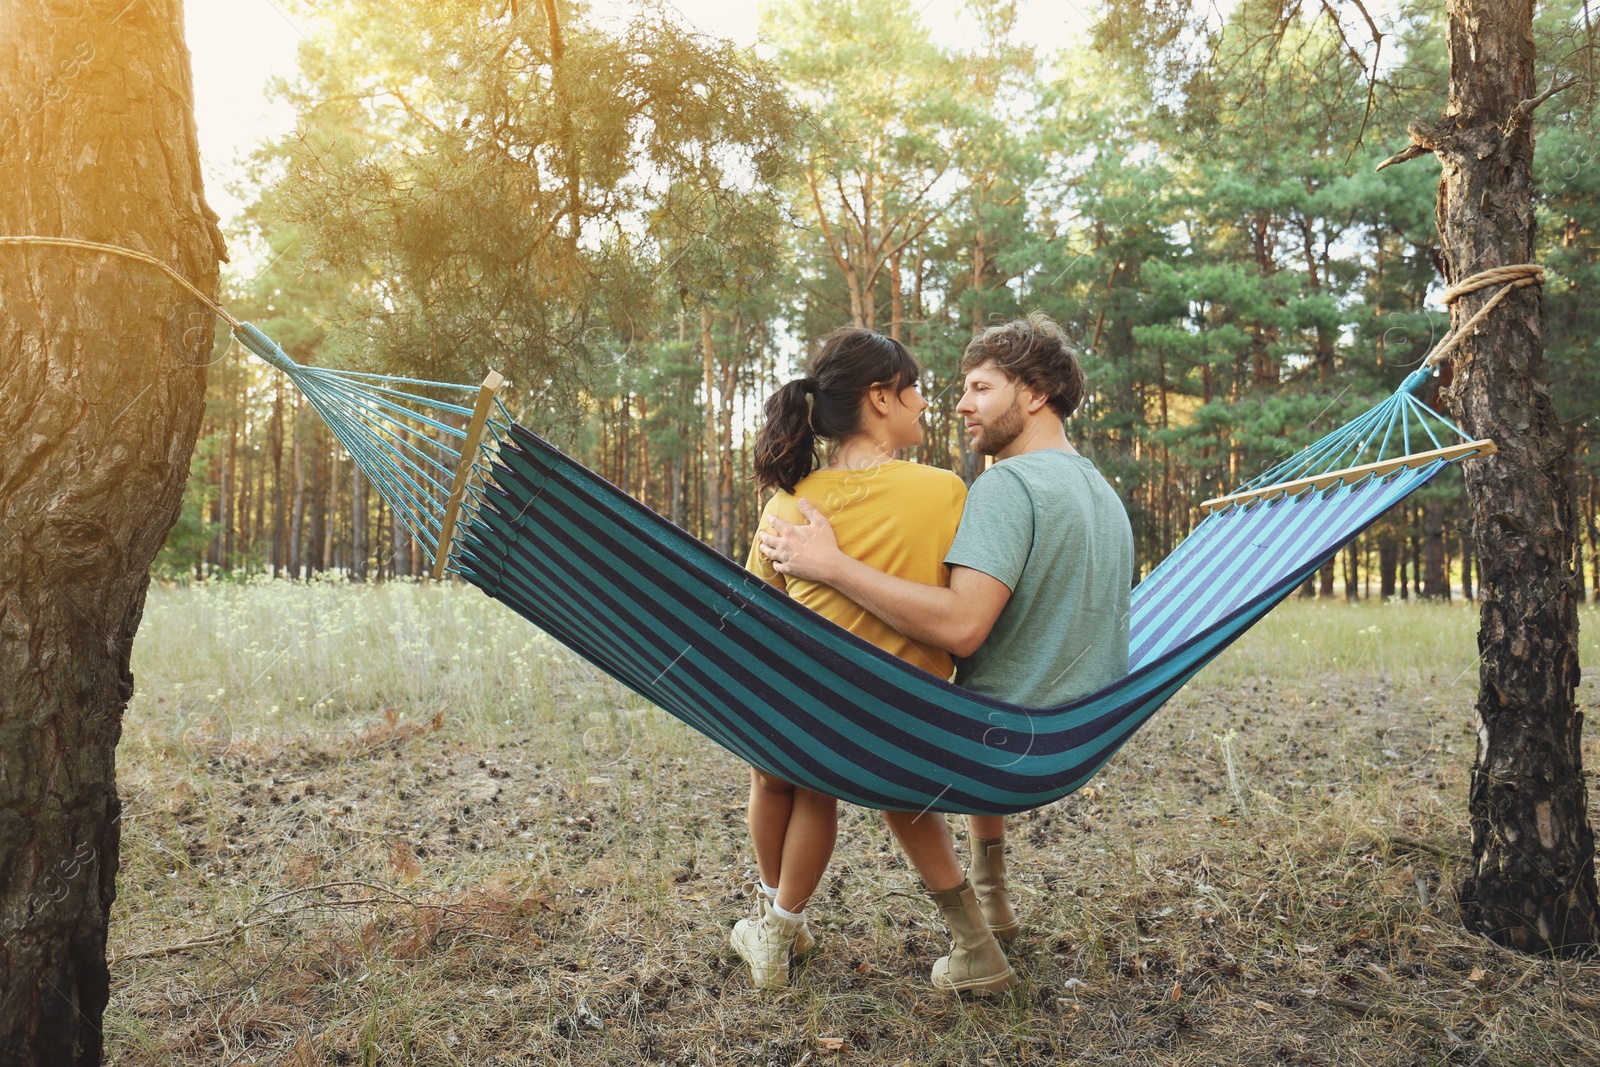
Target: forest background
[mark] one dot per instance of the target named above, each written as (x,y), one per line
(646,228)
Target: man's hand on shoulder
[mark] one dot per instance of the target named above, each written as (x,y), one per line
(810,551)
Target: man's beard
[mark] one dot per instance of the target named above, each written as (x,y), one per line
(999,434)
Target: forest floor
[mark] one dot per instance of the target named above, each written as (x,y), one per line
(396,825)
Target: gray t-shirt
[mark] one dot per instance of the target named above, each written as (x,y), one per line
(1050,527)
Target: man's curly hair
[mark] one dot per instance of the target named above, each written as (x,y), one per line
(1034,351)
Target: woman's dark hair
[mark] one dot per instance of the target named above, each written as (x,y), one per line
(826,403)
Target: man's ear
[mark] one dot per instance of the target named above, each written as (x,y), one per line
(1033,401)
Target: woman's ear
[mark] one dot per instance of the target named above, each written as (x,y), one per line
(880,398)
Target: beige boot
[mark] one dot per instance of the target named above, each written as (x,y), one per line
(975,964)
(988,877)
(804,942)
(766,945)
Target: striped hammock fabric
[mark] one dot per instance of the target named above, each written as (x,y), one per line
(801,698)
(783,688)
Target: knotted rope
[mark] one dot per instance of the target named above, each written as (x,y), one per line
(1509,278)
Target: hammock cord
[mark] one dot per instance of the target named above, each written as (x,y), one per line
(126,253)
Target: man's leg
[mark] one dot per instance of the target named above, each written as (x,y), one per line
(975,964)
(988,874)
(925,836)
(986,827)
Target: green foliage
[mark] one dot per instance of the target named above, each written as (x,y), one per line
(494,193)
(646,228)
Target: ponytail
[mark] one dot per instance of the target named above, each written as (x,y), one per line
(786,446)
(826,405)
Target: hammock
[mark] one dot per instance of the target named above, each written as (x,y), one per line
(788,691)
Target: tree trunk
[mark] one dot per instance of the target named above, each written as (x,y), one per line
(1532,882)
(1571,438)
(725,513)
(297,520)
(230,496)
(1352,573)
(317,542)
(1594,542)
(280,533)
(897,311)
(1325,585)
(102,375)
(675,491)
(330,505)
(1435,584)
(1388,563)
(710,514)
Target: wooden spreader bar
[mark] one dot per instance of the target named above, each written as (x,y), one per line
(469,452)
(1484,447)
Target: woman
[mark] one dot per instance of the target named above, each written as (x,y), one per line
(860,396)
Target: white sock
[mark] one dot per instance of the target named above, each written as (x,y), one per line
(770,890)
(787,916)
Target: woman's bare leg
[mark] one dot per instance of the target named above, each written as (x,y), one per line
(807,847)
(772,803)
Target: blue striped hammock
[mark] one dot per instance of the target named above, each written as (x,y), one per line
(786,690)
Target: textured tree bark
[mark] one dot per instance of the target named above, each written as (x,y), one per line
(1532,881)
(102,385)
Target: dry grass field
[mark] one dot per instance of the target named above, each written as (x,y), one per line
(396,825)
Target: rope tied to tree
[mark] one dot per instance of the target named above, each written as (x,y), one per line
(126,253)
(1512,277)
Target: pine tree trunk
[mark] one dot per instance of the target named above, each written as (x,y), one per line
(1435,585)
(317,542)
(280,555)
(102,373)
(1388,563)
(230,497)
(1594,541)
(297,520)
(1573,501)
(1532,882)
(710,516)
(358,525)
(726,519)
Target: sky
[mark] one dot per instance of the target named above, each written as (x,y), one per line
(238,45)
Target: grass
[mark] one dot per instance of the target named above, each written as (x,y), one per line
(396,825)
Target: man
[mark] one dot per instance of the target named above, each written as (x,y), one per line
(1036,610)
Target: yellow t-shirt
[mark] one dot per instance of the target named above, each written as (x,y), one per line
(899,517)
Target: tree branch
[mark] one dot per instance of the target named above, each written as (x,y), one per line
(1411,151)
(1523,111)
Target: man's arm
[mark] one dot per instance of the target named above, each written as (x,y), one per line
(957,618)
